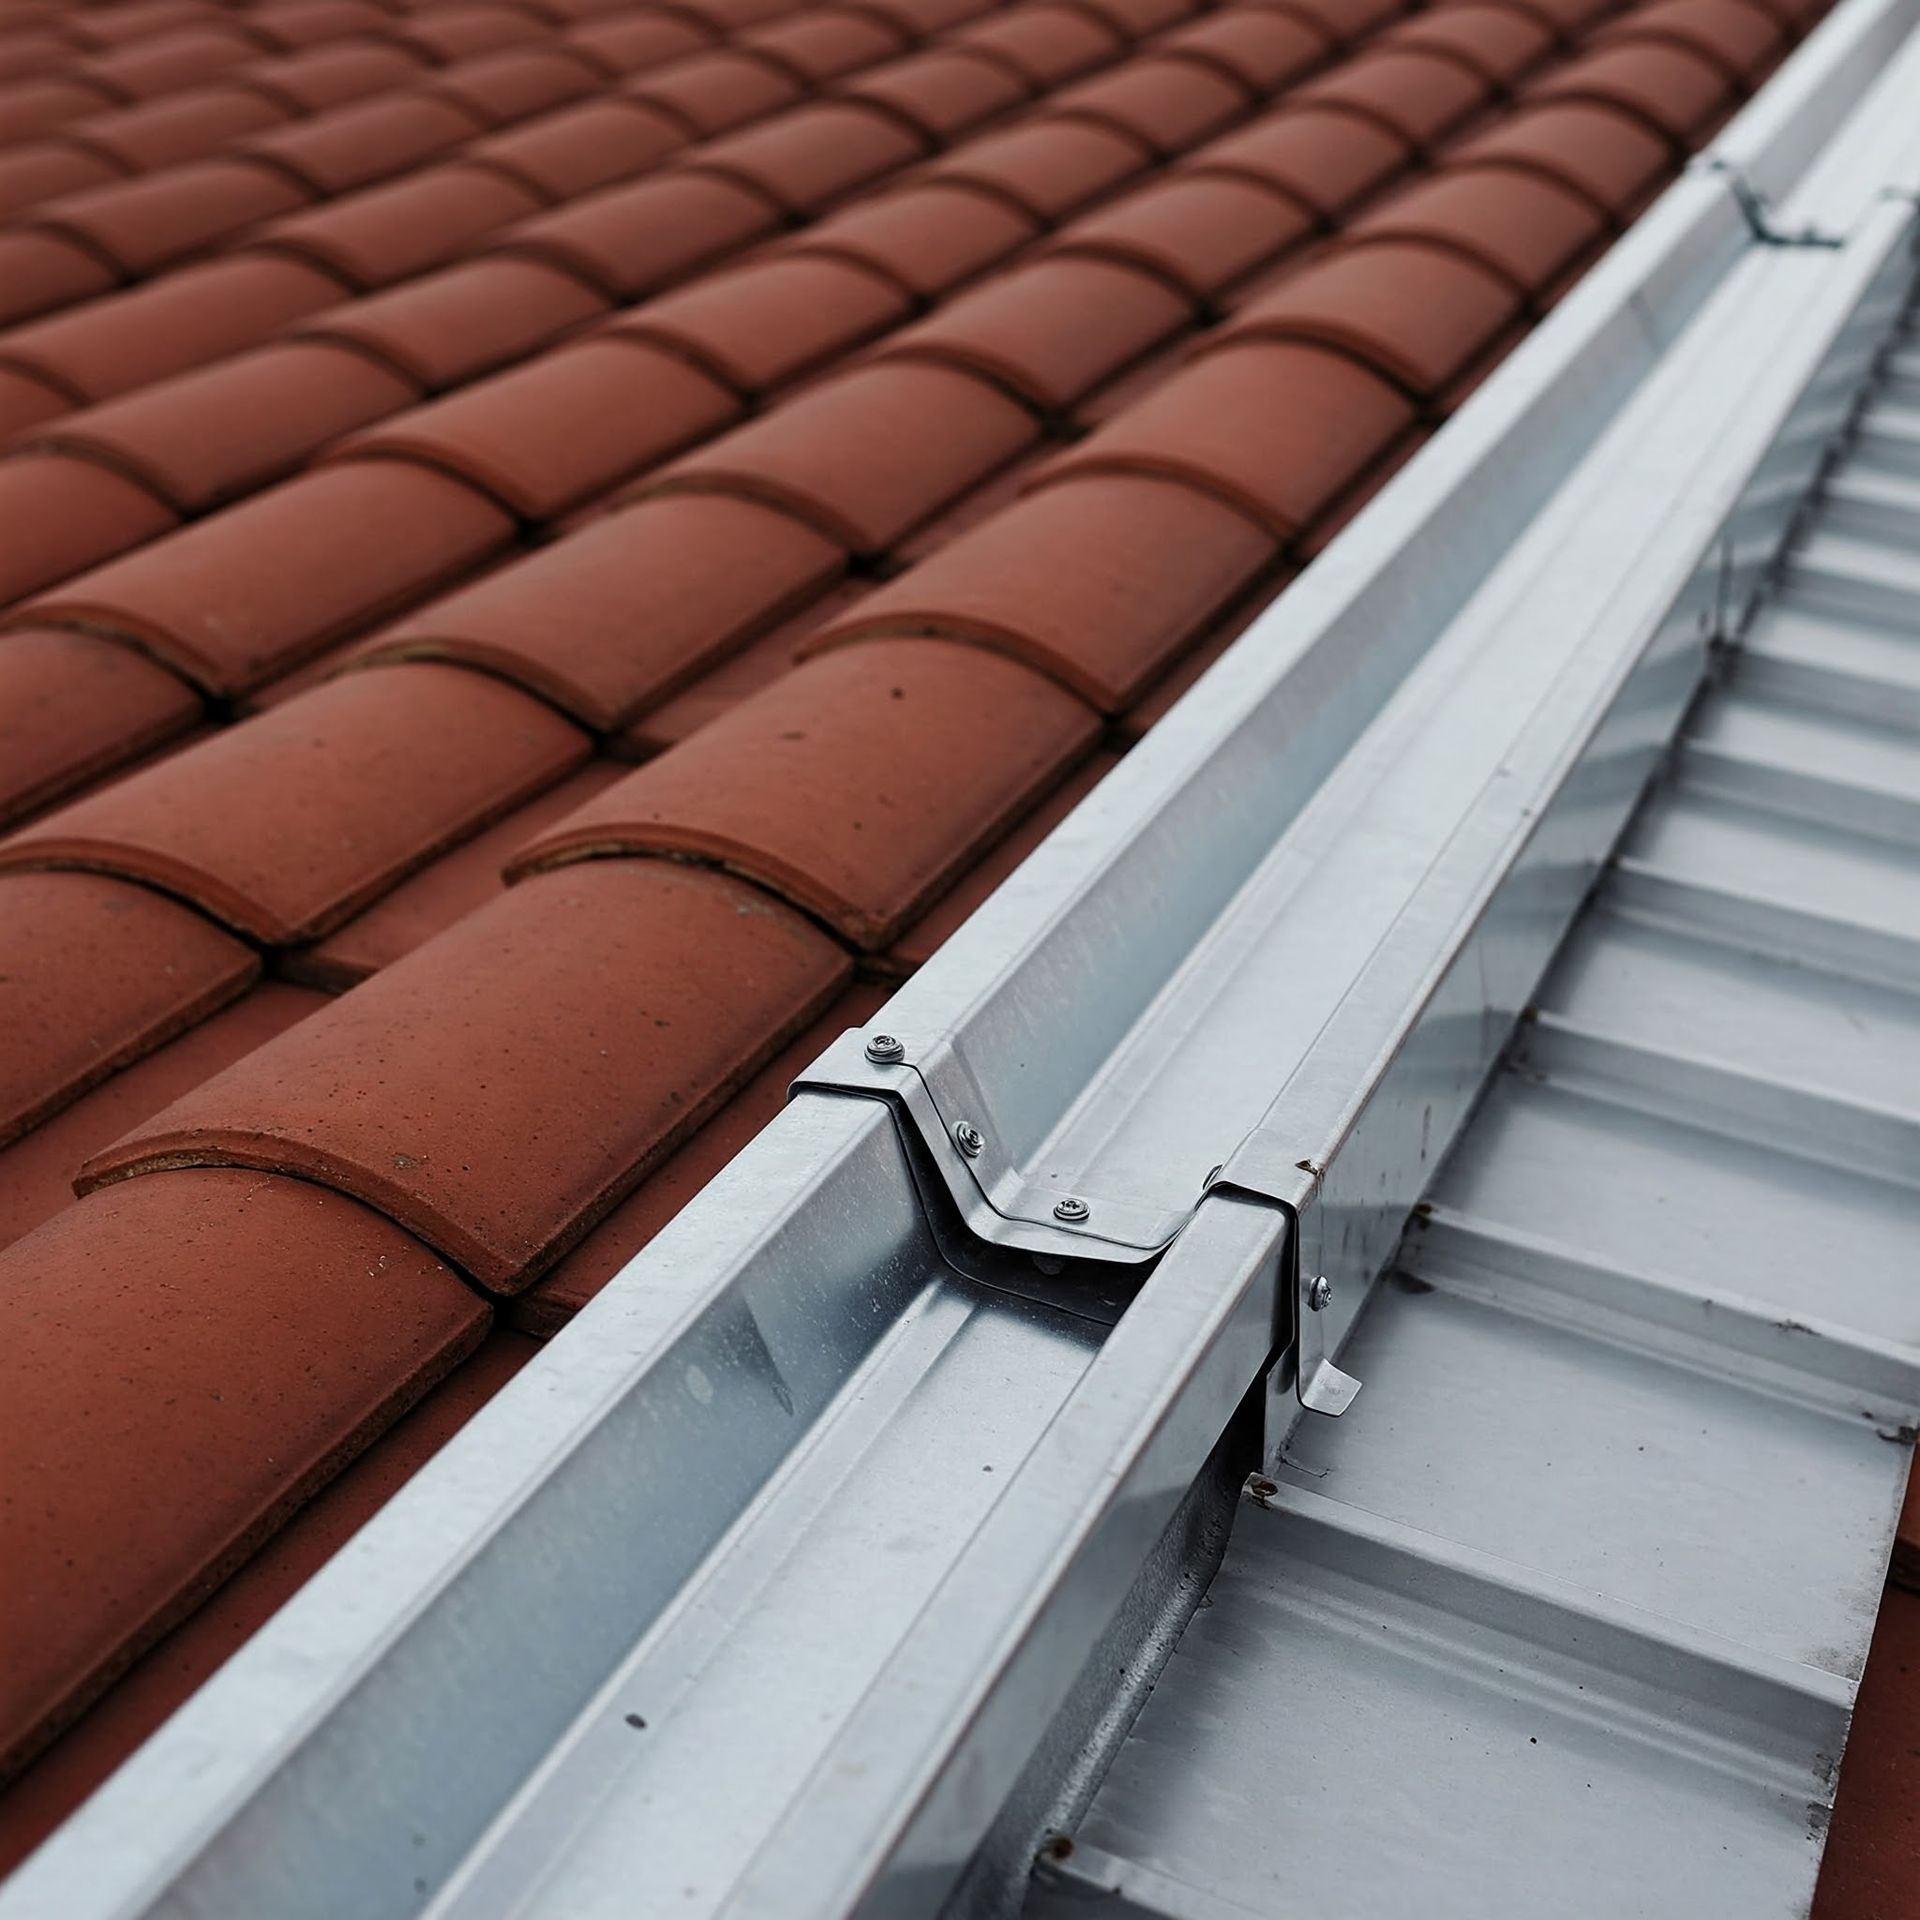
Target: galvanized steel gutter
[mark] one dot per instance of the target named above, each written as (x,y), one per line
(822,1560)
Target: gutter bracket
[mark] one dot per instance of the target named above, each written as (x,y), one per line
(1759,216)
(947,1116)
(926,1079)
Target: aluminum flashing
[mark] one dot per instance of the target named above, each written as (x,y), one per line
(818,1508)
(1592,1569)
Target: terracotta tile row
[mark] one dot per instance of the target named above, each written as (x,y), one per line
(343,121)
(665,229)
(151,437)
(490,56)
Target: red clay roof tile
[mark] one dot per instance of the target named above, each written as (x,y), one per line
(368,141)
(144,224)
(1138,19)
(1324,158)
(40,105)
(26,402)
(188,319)
(1670,90)
(208,436)
(806,159)
(73,705)
(551,434)
(114,26)
(187,1358)
(1615,160)
(1871,1867)
(180,126)
(162,62)
(732,16)
(448,327)
(1263,50)
(62,515)
(1278,430)
(635,238)
(944,91)
(38,171)
(578,148)
(1201,232)
(326,77)
(1417,314)
(426,903)
(633,42)
(1905,1570)
(868,455)
(36,1171)
(856,786)
(95,972)
(40,272)
(1167,105)
(624,1000)
(1741,40)
(1051,331)
(1346,22)
(502,87)
(760,325)
(926,17)
(382,234)
(551,1302)
(1098,582)
(458,33)
(240,597)
(738,676)
(1527,231)
(304,23)
(1567,18)
(1422,97)
(285,825)
(67,1772)
(925,238)
(716,92)
(618,616)
(1046,169)
(823,43)
(1498,42)
(1043,44)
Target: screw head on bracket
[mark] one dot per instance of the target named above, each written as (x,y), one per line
(969,1139)
(884,1050)
(1072,1211)
(1320,1294)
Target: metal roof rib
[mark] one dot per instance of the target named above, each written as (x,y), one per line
(1654,1331)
